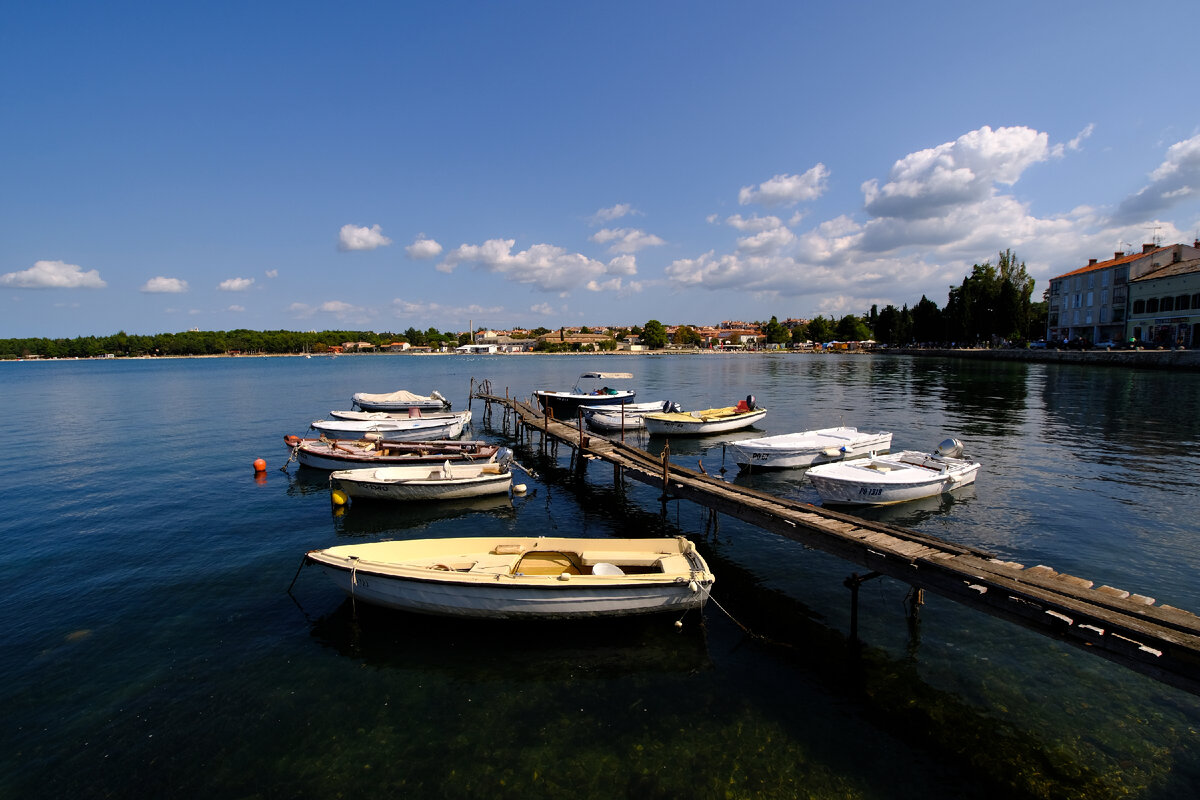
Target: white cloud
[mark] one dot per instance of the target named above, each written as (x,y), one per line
(545,309)
(939,211)
(926,183)
(272,273)
(423,247)
(53,275)
(237,308)
(614,212)
(766,242)
(235,284)
(625,240)
(545,266)
(1176,178)
(161,285)
(786,190)
(1077,142)
(352,237)
(753,223)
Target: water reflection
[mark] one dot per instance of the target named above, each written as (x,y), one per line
(370,519)
(535,651)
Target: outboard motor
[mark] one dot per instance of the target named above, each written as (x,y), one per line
(950,448)
(504,457)
(749,402)
(671,407)
(436,395)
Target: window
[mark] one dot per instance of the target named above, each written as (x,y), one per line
(1103,314)
(1104,278)
(1088,317)
(1196,301)
(1077,283)
(1139,306)
(1181,303)
(1152,305)
(1075,316)
(1166,304)
(1091,280)
(1104,297)
(1091,299)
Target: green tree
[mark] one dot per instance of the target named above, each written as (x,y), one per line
(776,333)
(851,328)
(820,329)
(654,335)
(686,336)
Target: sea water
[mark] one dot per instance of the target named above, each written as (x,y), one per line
(150,647)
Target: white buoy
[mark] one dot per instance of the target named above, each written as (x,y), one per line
(519,488)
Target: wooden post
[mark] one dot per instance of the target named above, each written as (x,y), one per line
(666,466)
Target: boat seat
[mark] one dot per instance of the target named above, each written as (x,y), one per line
(547,562)
(674,564)
(633,558)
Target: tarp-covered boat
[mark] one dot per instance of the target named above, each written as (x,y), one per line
(399,401)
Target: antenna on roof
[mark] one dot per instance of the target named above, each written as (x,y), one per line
(1157,238)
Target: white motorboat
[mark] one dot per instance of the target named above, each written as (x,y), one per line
(707,421)
(410,414)
(423,482)
(396,429)
(592,389)
(522,578)
(794,450)
(630,416)
(896,478)
(399,401)
(332,454)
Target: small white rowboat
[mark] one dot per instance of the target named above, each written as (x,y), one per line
(612,418)
(423,482)
(407,429)
(796,450)
(897,478)
(702,423)
(522,578)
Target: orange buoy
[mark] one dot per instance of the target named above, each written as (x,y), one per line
(260,465)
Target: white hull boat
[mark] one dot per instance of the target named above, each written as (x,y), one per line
(365,416)
(408,429)
(798,450)
(522,578)
(399,401)
(703,423)
(631,416)
(590,390)
(423,482)
(333,454)
(896,478)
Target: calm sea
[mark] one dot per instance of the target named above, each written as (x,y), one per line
(149,646)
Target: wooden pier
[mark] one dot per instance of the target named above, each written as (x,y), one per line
(1126,628)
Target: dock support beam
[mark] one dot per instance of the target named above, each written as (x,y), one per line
(852,583)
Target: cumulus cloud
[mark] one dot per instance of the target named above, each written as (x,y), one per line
(352,237)
(53,275)
(423,247)
(235,284)
(440,312)
(1178,177)
(544,266)
(786,190)
(161,285)
(766,242)
(339,309)
(605,215)
(753,223)
(937,212)
(927,183)
(625,240)
(544,309)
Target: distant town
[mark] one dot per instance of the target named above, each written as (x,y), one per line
(1147,299)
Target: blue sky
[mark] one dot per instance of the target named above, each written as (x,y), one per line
(378,166)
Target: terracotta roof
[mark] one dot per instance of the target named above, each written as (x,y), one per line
(1113,262)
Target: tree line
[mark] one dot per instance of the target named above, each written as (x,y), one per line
(992,304)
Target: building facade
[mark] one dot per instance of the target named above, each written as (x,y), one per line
(1093,302)
(1164,305)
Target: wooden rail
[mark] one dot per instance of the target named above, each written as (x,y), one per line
(1129,629)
